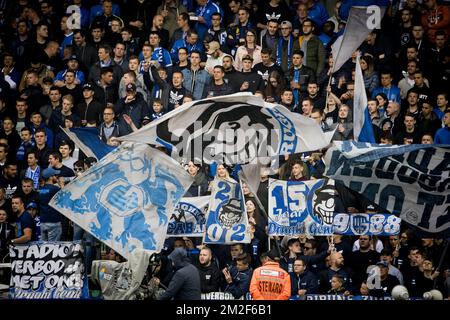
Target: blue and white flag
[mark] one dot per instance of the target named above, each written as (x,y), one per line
(410,181)
(125,200)
(362,124)
(88,141)
(188,219)
(237,128)
(372,224)
(301,207)
(227,221)
(361,21)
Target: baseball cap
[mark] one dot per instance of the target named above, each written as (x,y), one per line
(382,264)
(72,57)
(130,87)
(286,24)
(213,46)
(50,172)
(87,86)
(247,57)
(32,205)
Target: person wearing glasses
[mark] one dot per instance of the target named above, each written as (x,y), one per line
(303,281)
(108,128)
(248,48)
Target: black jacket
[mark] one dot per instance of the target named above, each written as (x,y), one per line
(199,187)
(185,283)
(305,281)
(136,109)
(105,95)
(210,278)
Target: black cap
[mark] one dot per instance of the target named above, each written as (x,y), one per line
(88,86)
(72,57)
(130,87)
(273,254)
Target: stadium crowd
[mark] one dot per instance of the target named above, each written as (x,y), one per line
(118,65)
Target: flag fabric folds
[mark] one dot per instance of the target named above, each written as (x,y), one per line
(409,181)
(356,30)
(125,200)
(362,124)
(88,141)
(232,129)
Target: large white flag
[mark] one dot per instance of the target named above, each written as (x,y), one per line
(238,128)
(361,21)
(125,200)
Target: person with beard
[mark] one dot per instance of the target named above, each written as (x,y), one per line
(313,48)
(185,283)
(250,81)
(336,268)
(267,66)
(86,53)
(9,179)
(269,36)
(232,76)
(210,276)
(363,258)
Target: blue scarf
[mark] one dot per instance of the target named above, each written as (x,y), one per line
(280,51)
(296,91)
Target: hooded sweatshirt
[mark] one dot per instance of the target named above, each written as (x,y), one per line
(185,283)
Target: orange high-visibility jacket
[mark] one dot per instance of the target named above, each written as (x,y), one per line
(270,282)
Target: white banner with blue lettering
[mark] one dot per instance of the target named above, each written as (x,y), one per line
(125,200)
(410,181)
(301,207)
(227,220)
(373,224)
(188,219)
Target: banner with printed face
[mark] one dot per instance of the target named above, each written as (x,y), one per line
(48,270)
(125,200)
(410,181)
(231,129)
(371,224)
(188,219)
(227,220)
(301,207)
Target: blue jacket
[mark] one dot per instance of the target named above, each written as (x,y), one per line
(195,82)
(393,93)
(442,136)
(318,14)
(241,282)
(305,281)
(180,43)
(206,12)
